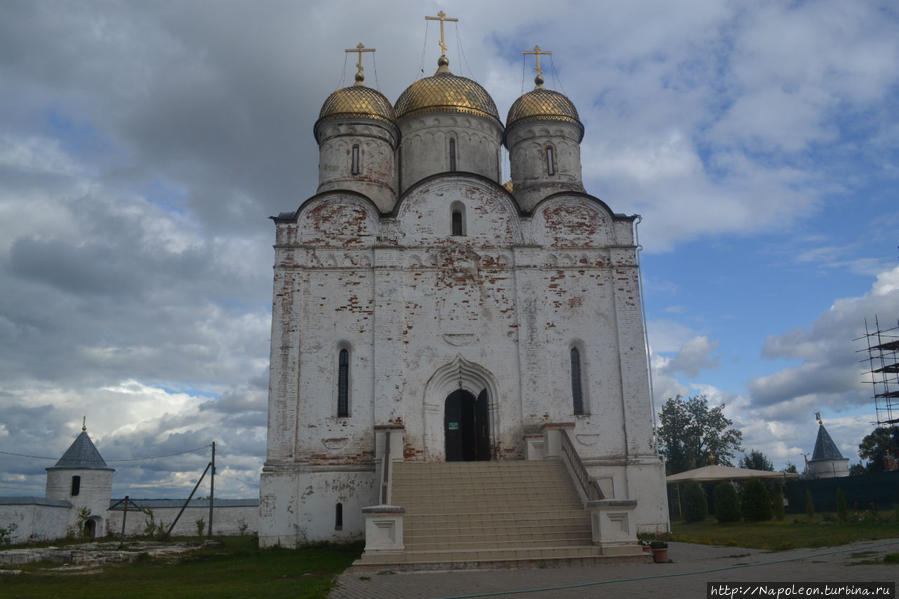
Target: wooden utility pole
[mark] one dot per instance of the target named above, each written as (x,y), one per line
(212,488)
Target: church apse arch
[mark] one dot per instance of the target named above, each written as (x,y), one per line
(464,393)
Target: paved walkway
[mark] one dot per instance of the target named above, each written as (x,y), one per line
(693,566)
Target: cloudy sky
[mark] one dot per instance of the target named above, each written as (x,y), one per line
(144,144)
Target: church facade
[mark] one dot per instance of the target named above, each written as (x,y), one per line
(424,311)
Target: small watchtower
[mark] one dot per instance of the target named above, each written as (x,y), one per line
(827,461)
(82,478)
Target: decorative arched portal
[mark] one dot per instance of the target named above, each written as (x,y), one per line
(464,393)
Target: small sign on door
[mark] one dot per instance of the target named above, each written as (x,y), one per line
(452,426)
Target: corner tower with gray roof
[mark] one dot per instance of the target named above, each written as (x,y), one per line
(827,461)
(82,478)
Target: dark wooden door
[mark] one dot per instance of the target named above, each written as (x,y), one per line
(452,426)
(482,428)
(466,427)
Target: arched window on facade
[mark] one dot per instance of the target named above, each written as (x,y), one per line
(343,384)
(457,222)
(550,164)
(577,394)
(355,166)
(76,485)
(338,516)
(452,154)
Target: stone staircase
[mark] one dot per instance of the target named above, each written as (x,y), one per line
(490,514)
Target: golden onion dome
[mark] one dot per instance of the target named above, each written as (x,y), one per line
(357,101)
(543,105)
(445,92)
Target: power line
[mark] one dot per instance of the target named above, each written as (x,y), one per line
(168,455)
(25,455)
(155,457)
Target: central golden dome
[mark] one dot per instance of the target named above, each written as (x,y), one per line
(445,92)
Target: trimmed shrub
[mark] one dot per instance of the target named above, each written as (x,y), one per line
(756,501)
(777,499)
(842,506)
(727,503)
(809,504)
(696,508)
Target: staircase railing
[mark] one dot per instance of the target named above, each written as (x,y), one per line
(588,485)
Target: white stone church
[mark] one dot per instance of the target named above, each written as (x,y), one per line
(457,365)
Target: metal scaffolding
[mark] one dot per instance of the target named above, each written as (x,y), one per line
(883,366)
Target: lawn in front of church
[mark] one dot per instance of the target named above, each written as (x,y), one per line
(238,568)
(794,531)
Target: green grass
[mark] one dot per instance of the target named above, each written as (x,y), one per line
(236,569)
(790,533)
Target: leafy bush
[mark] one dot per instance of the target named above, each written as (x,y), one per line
(809,504)
(777,499)
(727,503)
(756,501)
(201,526)
(696,508)
(7,532)
(842,506)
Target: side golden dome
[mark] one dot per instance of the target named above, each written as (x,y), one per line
(545,105)
(445,92)
(357,101)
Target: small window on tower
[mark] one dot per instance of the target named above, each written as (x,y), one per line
(338,516)
(550,168)
(76,485)
(452,154)
(356,159)
(457,222)
(577,394)
(343,384)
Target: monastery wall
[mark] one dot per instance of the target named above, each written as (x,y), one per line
(35,521)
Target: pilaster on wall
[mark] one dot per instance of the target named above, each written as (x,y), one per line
(283,401)
(635,393)
(389,350)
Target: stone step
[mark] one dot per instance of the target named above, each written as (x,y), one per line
(454,545)
(451,528)
(503,557)
(539,512)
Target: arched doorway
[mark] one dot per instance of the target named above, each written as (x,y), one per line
(90,528)
(466,426)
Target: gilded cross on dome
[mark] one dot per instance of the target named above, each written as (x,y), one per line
(360,77)
(441,16)
(537,51)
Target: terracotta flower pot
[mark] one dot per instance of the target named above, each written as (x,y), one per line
(660,555)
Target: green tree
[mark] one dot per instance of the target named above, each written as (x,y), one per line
(756,501)
(777,502)
(875,446)
(692,435)
(790,467)
(696,508)
(856,470)
(809,504)
(727,503)
(756,460)
(842,506)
